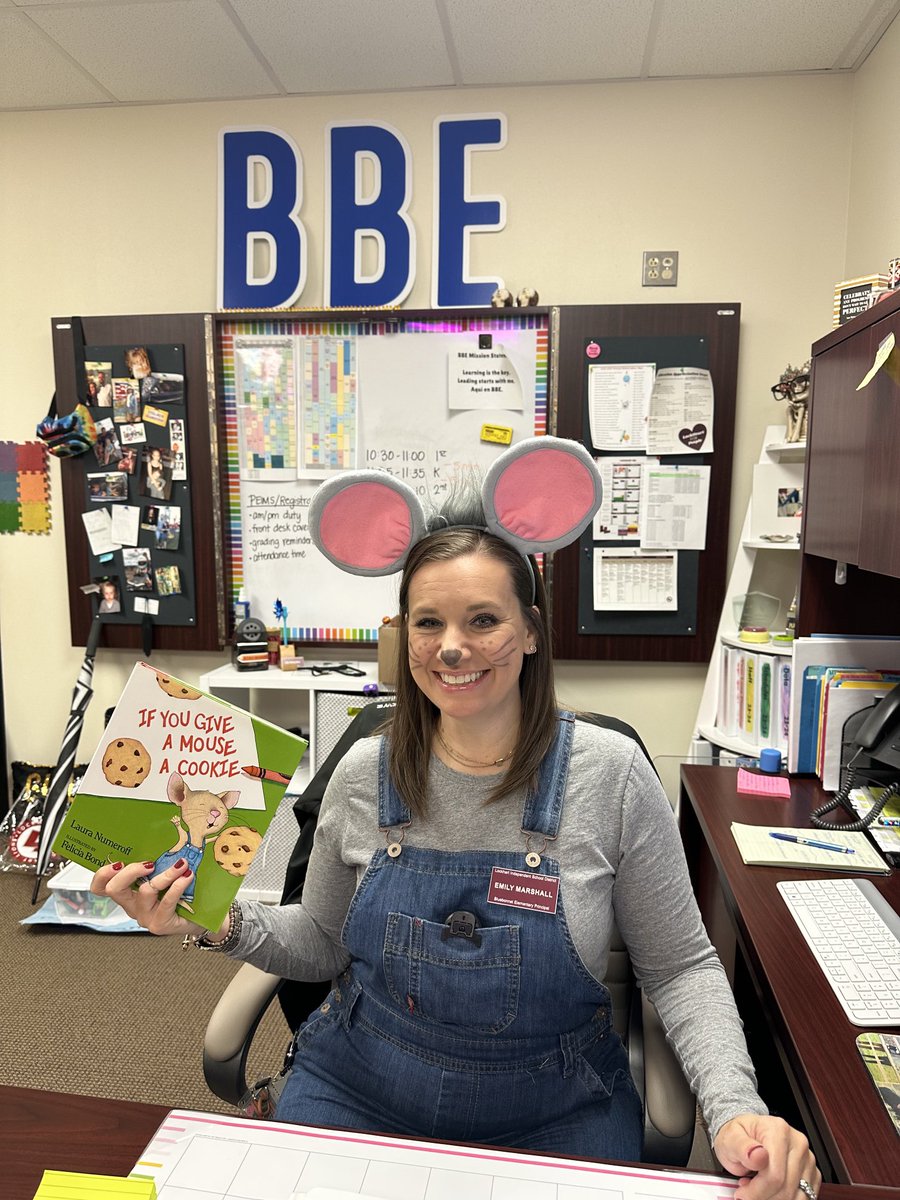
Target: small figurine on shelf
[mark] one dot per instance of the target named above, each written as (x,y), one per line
(287,654)
(281,614)
(793,386)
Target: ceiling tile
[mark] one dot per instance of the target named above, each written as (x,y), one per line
(709,37)
(536,41)
(35,73)
(349,45)
(171,50)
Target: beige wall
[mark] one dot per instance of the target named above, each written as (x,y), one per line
(113,211)
(873,223)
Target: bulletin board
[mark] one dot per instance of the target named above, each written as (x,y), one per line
(667,335)
(191,618)
(410,394)
(274,402)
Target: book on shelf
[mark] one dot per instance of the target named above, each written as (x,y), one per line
(749,730)
(759,849)
(853,296)
(180,774)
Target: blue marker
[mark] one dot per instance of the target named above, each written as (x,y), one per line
(803,841)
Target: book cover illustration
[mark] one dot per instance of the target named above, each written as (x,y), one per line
(180,774)
(881,1054)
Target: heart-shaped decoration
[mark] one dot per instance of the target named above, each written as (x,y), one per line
(693,438)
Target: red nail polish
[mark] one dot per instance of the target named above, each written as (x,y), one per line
(118,866)
(180,863)
(149,864)
(186,874)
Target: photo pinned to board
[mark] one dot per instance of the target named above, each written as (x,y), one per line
(137,361)
(126,401)
(150,517)
(168,527)
(128,461)
(178,448)
(109,595)
(156,480)
(99,383)
(138,571)
(168,581)
(106,448)
(103,487)
(162,387)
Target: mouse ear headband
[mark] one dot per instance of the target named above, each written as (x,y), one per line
(539,496)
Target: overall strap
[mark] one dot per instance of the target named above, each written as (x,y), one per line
(543,808)
(392,810)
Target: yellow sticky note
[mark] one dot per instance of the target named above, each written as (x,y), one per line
(883,353)
(502,434)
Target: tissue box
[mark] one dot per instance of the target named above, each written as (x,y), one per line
(388,642)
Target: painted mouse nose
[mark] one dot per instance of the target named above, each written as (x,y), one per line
(450,657)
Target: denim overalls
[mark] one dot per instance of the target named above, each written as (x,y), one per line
(492,1032)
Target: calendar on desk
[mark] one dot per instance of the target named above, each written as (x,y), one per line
(208,1157)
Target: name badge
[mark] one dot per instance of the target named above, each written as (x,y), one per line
(522,889)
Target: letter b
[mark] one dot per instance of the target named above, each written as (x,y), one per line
(260,193)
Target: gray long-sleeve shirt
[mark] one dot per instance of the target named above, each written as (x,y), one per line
(620,860)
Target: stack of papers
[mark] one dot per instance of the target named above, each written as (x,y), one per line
(759,849)
(70,1185)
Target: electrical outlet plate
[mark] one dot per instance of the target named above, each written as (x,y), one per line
(660,268)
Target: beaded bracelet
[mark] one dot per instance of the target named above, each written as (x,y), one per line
(201,940)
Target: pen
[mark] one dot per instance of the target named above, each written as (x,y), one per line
(803,841)
(261,773)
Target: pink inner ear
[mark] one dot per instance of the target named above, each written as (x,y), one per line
(366,526)
(543,495)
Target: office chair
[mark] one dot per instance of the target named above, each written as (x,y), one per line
(669,1105)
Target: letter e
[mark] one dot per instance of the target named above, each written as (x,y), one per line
(457,213)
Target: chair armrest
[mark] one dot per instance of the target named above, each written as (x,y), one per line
(231,1028)
(670,1109)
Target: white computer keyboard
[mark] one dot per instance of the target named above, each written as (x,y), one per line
(854,935)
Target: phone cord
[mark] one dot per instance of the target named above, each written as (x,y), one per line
(841,801)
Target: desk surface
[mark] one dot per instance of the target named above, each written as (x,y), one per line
(228,678)
(46,1130)
(815,1040)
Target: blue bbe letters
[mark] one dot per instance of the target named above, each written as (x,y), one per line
(250,215)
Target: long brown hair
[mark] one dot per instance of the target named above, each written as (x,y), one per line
(415,716)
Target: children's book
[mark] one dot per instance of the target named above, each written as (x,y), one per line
(180,774)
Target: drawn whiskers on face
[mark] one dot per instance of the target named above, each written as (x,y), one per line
(501,655)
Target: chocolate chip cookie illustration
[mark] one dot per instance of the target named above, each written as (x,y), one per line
(235,847)
(175,688)
(126,762)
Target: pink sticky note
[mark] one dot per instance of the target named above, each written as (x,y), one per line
(753,784)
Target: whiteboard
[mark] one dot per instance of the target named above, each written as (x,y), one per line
(387,395)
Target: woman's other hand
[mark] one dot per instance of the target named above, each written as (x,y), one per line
(769,1157)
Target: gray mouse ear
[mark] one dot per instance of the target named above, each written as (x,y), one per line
(366,522)
(541,493)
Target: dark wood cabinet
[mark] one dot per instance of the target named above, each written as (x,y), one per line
(852,491)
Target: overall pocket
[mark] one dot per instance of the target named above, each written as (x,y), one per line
(454,982)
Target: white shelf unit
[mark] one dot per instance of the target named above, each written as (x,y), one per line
(707,736)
